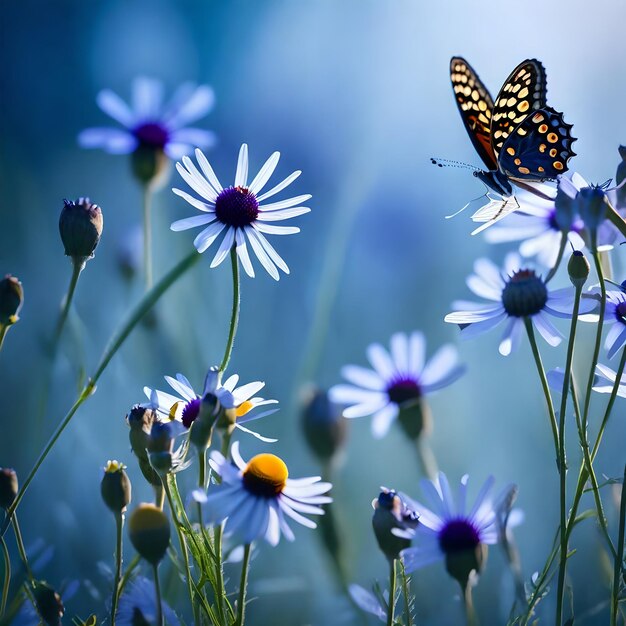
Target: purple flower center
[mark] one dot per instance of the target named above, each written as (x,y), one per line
(236,206)
(191,412)
(403,389)
(152,135)
(620,312)
(458,535)
(524,294)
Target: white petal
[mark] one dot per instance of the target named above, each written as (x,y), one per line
(264,174)
(283,214)
(271,229)
(242,252)
(113,140)
(203,187)
(363,377)
(225,246)
(198,204)
(204,240)
(205,166)
(241,175)
(147,96)
(383,419)
(193,108)
(284,204)
(284,183)
(115,107)
(380,360)
(266,262)
(191,222)
(276,258)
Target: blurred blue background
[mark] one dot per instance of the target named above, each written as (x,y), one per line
(357,95)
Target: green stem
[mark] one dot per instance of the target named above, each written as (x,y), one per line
(234,318)
(243,584)
(407,597)
(617,572)
(127,574)
(7,577)
(157,592)
(392,592)
(201,481)
(219,570)
(468,604)
(147,235)
(562,456)
(544,382)
(77,267)
(20,547)
(115,343)
(119,524)
(4,329)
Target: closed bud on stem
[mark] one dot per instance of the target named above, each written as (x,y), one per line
(149,531)
(325,428)
(592,206)
(48,603)
(391,512)
(578,269)
(11,300)
(8,487)
(140,420)
(115,487)
(80,226)
(161,446)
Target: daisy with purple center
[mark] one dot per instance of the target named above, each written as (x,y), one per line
(150,123)
(397,378)
(256,497)
(239,213)
(516,294)
(186,405)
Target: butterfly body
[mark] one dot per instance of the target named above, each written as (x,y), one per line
(518,136)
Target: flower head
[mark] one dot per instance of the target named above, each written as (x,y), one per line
(391,511)
(239,211)
(138,605)
(257,497)
(398,378)
(149,123)
(448,531)
(185,406)
(516,293)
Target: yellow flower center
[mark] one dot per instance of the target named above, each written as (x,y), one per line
(243,408)
(265,475)
(114,466)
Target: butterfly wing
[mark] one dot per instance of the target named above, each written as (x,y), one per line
(539,148)
(523,92)
(475,106)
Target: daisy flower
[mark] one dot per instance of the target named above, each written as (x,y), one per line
(138,605)
(238,211)
(398,378)
(257,497)
(186,405)
(448,531)
(515,293)
(150,123)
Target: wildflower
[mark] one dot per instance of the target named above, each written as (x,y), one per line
(11,300)
(521,295)
(391,511)
(324,426)
(256,497)
(398,381)
(447,532)
(151,124)
(80,226)
(186,405)
(115,487)
(138,605)
(8,487)
(149,531)
(238,212)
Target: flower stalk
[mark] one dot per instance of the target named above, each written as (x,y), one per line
(243,584)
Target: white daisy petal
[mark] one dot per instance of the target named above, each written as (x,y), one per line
(270,229)
(284,204)
(225,246)
(380,360)
(284,183)
(271,252)
(264,174)
(242,252)
(198,204)
(116,108)
(363,377)
(206,168)
(383,419)
(241,175)
(206,237)
(191,222)
(261,254)
(283,214)
(202,186)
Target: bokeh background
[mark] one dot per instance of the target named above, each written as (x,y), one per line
(357,95)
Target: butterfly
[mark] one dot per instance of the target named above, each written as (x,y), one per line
(519,137)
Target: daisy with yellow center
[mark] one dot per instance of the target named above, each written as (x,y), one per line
(257,497)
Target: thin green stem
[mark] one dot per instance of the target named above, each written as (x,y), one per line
(119,524)
(201,481)
(219,570)
(234,318)
(243,584)
(407,594)
(157,593)
(77,267)
(392,592)
(128,573)
(147,235)
(115,343)
(7,577)
(4,329)
(468,604)
(562,456)
(544,382)
(619,557)
(20,547)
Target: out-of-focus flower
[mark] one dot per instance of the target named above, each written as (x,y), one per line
(257,497)
(11,300)
(398,381)
(605,381)
(392,512)
(522,294)
(161,453)
(238,211)
(149,531)
(80,226)
(186,405)
(138,605)
(615,319)
(448,531)
(150,123)
(373,603)
(324,426)
(48,603)
(115,487)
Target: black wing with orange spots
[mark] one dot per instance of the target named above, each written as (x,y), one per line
(523,92)
(539,148)
(475,106)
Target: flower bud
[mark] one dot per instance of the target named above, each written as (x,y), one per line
(592,207)
(8,487)
(11,300)
(150,165)
(80,226)
(140,420)
(149,531)
(416,418)
(324,426)
(390,512)
(160,447)
(211,412)
(578,269)
(48,603)
(115,487)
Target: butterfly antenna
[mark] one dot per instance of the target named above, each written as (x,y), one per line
(448,163)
